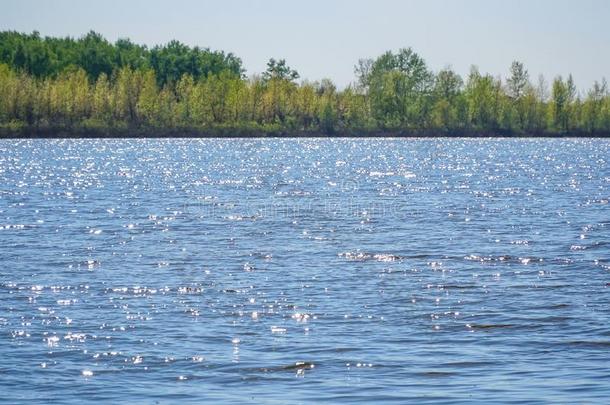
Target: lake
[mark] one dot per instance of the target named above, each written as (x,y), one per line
(304,271)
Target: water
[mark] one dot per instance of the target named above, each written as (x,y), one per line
(304,271)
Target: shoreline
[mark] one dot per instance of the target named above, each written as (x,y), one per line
(144,133)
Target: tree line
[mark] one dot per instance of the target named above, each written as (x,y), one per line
(90,84)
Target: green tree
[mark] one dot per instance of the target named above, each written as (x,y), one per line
(279,80)
(279,70)
(148,101)
(592,109)
(127,89)
(449,105)
(562,108)
(354,109)
(96,55)
(102,101)
(483,94)
(328,117)
(399,87)
(517,86)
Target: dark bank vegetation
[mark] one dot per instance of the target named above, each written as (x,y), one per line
(90,86)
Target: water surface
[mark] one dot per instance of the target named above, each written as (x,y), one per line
(304,271)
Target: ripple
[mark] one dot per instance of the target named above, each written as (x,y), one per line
(299,366)
(363,257)
(231,269)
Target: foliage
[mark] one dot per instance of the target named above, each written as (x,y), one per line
(91,84)
(279,70)
(44,57)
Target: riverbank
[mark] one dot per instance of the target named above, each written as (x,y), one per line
(135,132)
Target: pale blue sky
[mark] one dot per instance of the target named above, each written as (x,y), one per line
(325,38)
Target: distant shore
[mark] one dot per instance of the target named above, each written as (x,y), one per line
(91,88)
(76,133)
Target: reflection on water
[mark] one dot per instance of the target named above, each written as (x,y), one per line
(304,270)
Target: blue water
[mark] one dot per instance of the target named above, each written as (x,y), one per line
(304,271)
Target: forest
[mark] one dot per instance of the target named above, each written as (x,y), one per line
(90,86)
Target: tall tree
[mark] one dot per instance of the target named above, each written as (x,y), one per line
(399,87)
(279,70)
(517,86)
(483,94)
(449,105)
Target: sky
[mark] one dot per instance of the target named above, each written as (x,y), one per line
(325,38)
